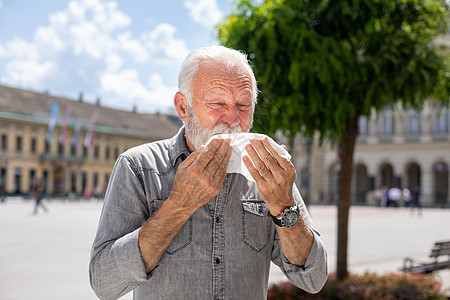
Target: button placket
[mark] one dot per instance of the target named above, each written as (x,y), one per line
(219,243)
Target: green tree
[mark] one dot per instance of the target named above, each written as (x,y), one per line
(323,64)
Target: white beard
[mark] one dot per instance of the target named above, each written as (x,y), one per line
(199,136)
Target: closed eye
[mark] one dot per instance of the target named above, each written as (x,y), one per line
(244,107)
(216,105)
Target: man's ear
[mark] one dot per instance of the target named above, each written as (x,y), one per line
(180,103)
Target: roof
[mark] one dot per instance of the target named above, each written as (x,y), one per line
(35,107)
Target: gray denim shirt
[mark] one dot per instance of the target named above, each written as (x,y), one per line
(222,252)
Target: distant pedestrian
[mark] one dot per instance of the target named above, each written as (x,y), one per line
(394,197)
(2,193)
(406,197)
(39,192)
(416,201)
(381,195)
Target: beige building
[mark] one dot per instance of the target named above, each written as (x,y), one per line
(395,148)
(67,164)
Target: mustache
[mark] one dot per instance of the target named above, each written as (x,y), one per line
(224,128)
(199,136)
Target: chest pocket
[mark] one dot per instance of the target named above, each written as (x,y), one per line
(256,224)
(183,238)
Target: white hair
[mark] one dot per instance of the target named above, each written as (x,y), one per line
(214,54)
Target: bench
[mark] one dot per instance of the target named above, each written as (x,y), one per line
(439,250)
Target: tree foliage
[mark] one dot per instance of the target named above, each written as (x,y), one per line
(322,63)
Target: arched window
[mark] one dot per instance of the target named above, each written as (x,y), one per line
(440,180)
(361,184)
(386,175)
(413,175)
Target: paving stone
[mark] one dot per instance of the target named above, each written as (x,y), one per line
(46,256)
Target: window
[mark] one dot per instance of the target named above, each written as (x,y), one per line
(387,127)
(33,145)
(442,120)
(414,122)
(363,125)
(17,181)
(2,180)
(95,180)
(96,152)
(45,177)
(47,147)
(60,148)
(105,185)
(107,153)
(73,182)
(84,182)
(4,142)
(19,144)
(73,150)
(32,179)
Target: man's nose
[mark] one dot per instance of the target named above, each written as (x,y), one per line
(231,117)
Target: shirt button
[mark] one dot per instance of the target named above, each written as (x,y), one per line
(217,260)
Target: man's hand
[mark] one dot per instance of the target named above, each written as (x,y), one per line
(275,177)
(273,174)
(200,177)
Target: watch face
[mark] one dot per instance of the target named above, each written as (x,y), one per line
(290,218)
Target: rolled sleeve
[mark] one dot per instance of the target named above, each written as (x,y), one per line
(116,266)
(128,257)
(313,275)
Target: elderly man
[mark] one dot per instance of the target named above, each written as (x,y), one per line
(175,225)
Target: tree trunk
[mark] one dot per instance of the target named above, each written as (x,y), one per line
(344,193)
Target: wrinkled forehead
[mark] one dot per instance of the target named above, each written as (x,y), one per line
(222,70)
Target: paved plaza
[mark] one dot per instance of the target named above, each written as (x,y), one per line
(45,256)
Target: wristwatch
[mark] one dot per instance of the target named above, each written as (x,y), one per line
(288,217)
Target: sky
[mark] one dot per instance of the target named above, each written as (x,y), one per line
(127,53)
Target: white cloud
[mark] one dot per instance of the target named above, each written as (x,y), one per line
(89,46)
(59,20)
(20,49)
(87,39)
(204,12)
(1,4)
(163,45)
(113,62)
(25,65)
(47,39)
(29,73)
(133,47)
(76,10)
(125,89)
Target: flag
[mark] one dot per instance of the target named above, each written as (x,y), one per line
(89,138)
(52,122)
(77,131)
(63,134)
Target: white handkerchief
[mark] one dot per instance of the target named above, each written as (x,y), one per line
(239,141)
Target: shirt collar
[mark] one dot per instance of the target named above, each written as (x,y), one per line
(179,147)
